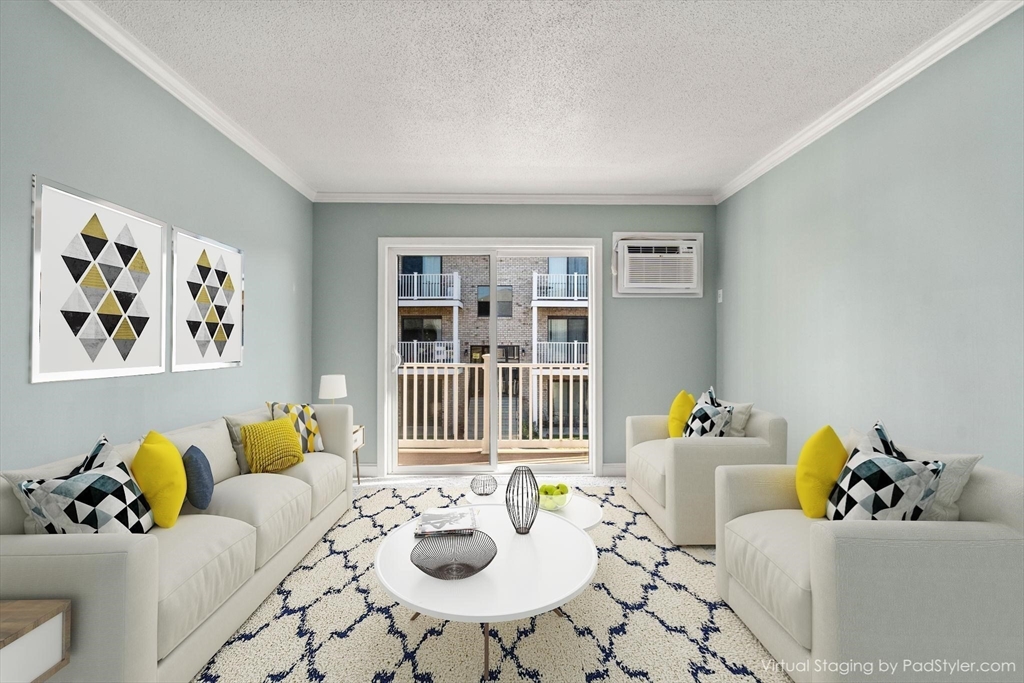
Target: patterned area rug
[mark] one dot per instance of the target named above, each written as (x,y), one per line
(651,614)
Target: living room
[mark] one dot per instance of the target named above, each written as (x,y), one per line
(364,261)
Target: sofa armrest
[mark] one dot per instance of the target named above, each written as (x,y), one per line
(744,489)
(336,422)
(640,428)
(918,591)
(112,581)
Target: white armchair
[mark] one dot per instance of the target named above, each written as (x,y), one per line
(907,593)
(673,480)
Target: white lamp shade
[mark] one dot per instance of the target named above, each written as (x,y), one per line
(333,386)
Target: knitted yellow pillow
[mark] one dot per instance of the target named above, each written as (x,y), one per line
(271,446)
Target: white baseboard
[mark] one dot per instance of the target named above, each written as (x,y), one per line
(367,470)
(613,469)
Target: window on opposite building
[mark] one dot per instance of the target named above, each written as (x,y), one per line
(483,301)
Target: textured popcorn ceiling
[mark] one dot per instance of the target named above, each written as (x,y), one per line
(528,97)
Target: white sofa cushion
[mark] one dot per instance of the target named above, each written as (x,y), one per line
(214,441)
(277,506)
(325,473)
(203,560)
(646,463)
(768,553)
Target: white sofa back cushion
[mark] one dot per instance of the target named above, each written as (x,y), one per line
(235,424)
(214,440)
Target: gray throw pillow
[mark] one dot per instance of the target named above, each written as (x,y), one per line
(198,478)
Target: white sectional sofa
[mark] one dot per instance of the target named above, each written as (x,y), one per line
(821,595)
(157,606)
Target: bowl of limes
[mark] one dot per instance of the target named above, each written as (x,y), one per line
(554,496)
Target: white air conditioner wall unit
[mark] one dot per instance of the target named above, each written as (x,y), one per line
(658,264)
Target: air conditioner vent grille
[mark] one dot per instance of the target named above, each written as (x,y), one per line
(645,249)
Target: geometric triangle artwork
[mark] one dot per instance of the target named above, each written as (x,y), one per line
(194,320)
(92,337)
(110,313)
(110,264)
(138,316)
(94,236)
(139,270)
(204,265)
(221,270)
(212,321)
(108,275)
(228,288)
(124,338)
(76,257)
(220,339)
(126,246)
(194,282)
(228,323)
(124,289)
(203,338)
(76,310)
(93,286)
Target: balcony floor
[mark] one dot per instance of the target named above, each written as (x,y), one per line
(453,457)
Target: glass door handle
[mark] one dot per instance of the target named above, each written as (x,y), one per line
(398,359)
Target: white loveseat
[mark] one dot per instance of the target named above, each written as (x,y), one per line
(157,606)
(822,595)
(673,480)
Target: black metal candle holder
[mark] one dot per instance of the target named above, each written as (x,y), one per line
(522,499)
(483,485)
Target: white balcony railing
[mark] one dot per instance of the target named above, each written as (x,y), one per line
(427,351)
(571,353)
(541,406)
(430,286)
(572,286)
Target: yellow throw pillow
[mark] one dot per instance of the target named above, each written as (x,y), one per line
(821,461)
(271,446)
(160,473)
(679,413)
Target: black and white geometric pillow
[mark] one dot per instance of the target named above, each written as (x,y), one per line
(95,458)
(881,442)
(708,417)
(874,485)
(103,500)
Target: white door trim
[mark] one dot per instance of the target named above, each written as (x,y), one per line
(387,278)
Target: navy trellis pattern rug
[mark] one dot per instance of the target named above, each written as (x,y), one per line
(651,614)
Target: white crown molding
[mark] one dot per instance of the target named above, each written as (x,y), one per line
(124,44)
(969,26)
(443,198)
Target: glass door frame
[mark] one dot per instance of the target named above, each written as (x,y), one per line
(388,251)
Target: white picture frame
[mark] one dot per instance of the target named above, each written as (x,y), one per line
(207,303)
(99,287)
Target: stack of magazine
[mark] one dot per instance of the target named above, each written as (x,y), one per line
(459,521)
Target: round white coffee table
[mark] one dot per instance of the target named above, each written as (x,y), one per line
(524,579)
(582,510)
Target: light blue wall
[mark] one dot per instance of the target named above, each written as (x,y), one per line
(652,347)
(878,273)
(73,111)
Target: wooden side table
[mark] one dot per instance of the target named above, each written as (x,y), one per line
(35,639)
(358,441)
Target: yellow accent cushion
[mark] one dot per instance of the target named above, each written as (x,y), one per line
(817,470)
(271,446)
(160,473)
(679,413)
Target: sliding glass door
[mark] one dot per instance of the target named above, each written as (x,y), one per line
(488,357)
